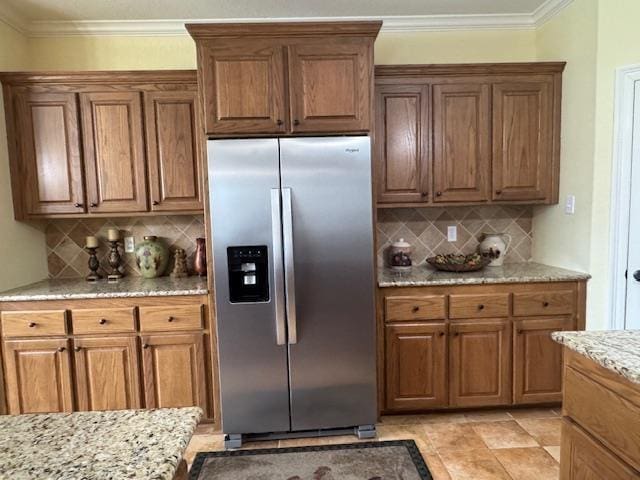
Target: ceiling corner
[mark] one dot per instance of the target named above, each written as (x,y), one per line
(9,16)
(548,10)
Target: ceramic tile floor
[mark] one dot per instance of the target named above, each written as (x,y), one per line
(477,445)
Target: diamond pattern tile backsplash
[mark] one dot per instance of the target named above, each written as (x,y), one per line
(426,230)
(65,240)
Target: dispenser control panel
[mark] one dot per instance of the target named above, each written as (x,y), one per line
(248,274)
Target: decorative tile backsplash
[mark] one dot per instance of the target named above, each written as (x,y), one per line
(426,230)
(65,240)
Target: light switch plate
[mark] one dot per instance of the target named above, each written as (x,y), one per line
(452,233)
(570,205)
(129,245)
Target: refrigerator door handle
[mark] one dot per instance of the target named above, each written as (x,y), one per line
(278,274)
(289,276)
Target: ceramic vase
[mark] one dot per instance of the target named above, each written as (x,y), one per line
(400,256)
(152,257)
(495,246)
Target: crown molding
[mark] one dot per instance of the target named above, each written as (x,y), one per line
(176,27)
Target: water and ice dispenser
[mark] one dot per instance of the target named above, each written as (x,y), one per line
(248,274)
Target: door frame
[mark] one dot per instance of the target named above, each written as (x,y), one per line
(624,151)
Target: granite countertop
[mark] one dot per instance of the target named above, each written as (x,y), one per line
(143,444)
(616,350)
(78,288)
(530,272)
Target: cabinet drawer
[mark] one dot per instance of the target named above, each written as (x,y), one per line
(171,318)
(479,306)
(34,323)
(429,307)
(560,302)
(106,320)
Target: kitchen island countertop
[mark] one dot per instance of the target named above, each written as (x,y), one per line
(138,444)
(529,272)
(616,350)
(127,287)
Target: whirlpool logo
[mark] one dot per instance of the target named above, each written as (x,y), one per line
(352,150)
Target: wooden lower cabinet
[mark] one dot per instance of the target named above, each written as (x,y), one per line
(174,370)
(416,365)
(584,458)
(538,360)
(38,376)
(480,363)
(107,373)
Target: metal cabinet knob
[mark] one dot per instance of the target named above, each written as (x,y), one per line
(77,349)
(62,349)
(636,275)
(519,332)
(155,202)
(78,205)
(296,122)
(545,304)
(480,307)
(279,122)
(441,334)
(32,324)
(438,194)
(415,309)
(498,192)
(103,321)
(425,194)
(93,204)
(170,319)
(455,334)
(145,345)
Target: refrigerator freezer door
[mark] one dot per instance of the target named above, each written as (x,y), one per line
(332,365)
(246,213)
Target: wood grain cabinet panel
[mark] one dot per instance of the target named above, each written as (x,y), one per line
(480,363)
(114,152)
(107,375)
(170,318)
(416,366)
(49,143)
(427,307)
(243,86)
(103,321)
(401,143)
(330,85)
(481,305)
(550,302)
(538,360)
(173,144)
(584,458)
(522,141)
(33,323)
(174,370)
(38,376)
(461,142)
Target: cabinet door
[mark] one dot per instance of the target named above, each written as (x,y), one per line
(49,145)
(107,373)
(480,363)
(584,458)
(522,141)
(416,366)
(243,86)
(461,143)
(37,376)
(173,144)
(330,85)
(538,360)
(402,143)
(114,152)
(174,370)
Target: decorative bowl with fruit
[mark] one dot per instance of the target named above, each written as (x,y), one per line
(459,263)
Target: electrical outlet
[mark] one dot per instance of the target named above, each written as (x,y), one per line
(452,233)
(570,205)
(129,245)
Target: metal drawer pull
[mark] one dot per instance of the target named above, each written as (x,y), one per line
(480,307)
(103,321)
(170,319)
(145,345)
(441,334)
(77,349)
(32,324)
(61,349)
(415,309)
(545,304)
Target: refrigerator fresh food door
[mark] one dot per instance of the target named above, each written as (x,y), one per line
(244,182)
(328,252)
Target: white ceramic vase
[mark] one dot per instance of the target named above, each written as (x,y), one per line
(495,247)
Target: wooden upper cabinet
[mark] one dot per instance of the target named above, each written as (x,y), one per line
(174,370)
(402,145)
(523,119)
(480,363)
(114,151)
(330,85)
(461,142)
(107,373)
(284,78)
(416,366)
(38,376)
(50,171)
(243,86)
(173,146)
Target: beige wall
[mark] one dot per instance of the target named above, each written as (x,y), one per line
(22,248)
(559,239)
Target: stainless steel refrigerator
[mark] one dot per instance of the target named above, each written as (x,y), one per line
(292,227)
